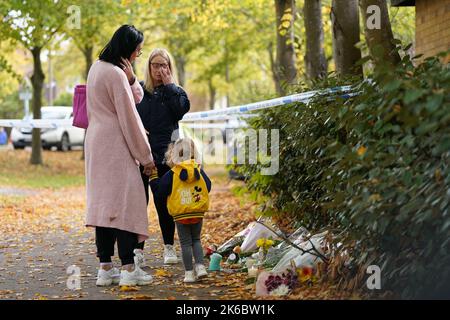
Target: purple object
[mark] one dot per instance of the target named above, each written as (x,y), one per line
(80,118)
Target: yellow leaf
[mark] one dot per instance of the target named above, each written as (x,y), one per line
(286,16)
(141,297)
(125,3)
(162,273)
(285,24)
(438,175)
(361,151)
(128,288)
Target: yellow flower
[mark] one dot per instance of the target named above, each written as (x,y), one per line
(260,242)
(264,243)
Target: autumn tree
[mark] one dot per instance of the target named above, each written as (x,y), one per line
(378,31)
(34,24)
(315,60)
(285,70)
(97,19)
(345,20)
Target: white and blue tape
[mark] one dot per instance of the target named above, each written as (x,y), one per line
(304,97)
(220,114)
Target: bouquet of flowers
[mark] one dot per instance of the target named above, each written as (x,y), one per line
(276,284)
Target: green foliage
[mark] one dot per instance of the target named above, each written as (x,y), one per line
(377,168)
(11,107)
(64,99)
(32,23)
(224,45)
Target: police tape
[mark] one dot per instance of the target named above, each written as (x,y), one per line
(230,113)
(305,97)
(36,123)
(220,125)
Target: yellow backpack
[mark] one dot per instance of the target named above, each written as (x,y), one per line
(189,197)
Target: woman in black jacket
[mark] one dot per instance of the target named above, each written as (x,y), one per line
(163,105)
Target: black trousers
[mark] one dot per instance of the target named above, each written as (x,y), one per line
(105,238)
(165,219)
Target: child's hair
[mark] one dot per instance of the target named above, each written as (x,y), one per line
(181,150)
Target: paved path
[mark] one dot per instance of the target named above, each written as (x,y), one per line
(42,234)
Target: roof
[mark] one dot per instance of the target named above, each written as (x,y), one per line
(403,3)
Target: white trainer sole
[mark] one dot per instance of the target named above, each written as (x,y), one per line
(202,275)
(135,283)
(103,282)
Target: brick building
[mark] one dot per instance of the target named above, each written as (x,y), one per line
(432,25)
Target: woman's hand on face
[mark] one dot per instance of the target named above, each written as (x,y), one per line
(128,69)
(166,76)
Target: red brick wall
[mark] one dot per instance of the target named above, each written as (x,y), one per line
(432,27)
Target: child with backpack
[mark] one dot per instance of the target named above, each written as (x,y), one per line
(186,187)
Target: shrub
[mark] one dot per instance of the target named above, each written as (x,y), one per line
(375,168)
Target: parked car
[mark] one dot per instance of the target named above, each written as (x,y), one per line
(3,137)
(63,137)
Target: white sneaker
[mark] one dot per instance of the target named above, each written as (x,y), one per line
(107,278)
(200,271)
(189,276)
(170,256)
(139,258)
(136,277)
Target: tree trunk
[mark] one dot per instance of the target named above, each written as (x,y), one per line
(345,21)
(275,75)
(379,36)
(181,70)
(285,58)
(227,76)
(88,59)
(315,60)
(212,94)
(37,81)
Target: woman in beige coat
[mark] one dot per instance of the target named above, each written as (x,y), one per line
(115,146)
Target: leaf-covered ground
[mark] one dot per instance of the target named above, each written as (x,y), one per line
(42,234)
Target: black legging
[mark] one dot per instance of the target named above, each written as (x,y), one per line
(165,219)
(105,238)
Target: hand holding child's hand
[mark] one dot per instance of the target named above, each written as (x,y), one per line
(148,168)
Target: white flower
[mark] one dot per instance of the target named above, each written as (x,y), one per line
(282,290)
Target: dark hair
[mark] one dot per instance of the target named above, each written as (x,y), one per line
(122,44)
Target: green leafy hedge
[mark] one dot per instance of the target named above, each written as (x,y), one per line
(376,169)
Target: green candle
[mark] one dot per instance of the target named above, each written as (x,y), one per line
(214,264)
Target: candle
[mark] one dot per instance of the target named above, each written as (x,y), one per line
(252,272)
(214,263)
(250,262)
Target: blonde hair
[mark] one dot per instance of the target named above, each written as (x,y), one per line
(148,81)
(181,150)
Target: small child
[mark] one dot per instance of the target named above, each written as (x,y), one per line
(186,187)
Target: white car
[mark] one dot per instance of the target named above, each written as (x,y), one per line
(62,137)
